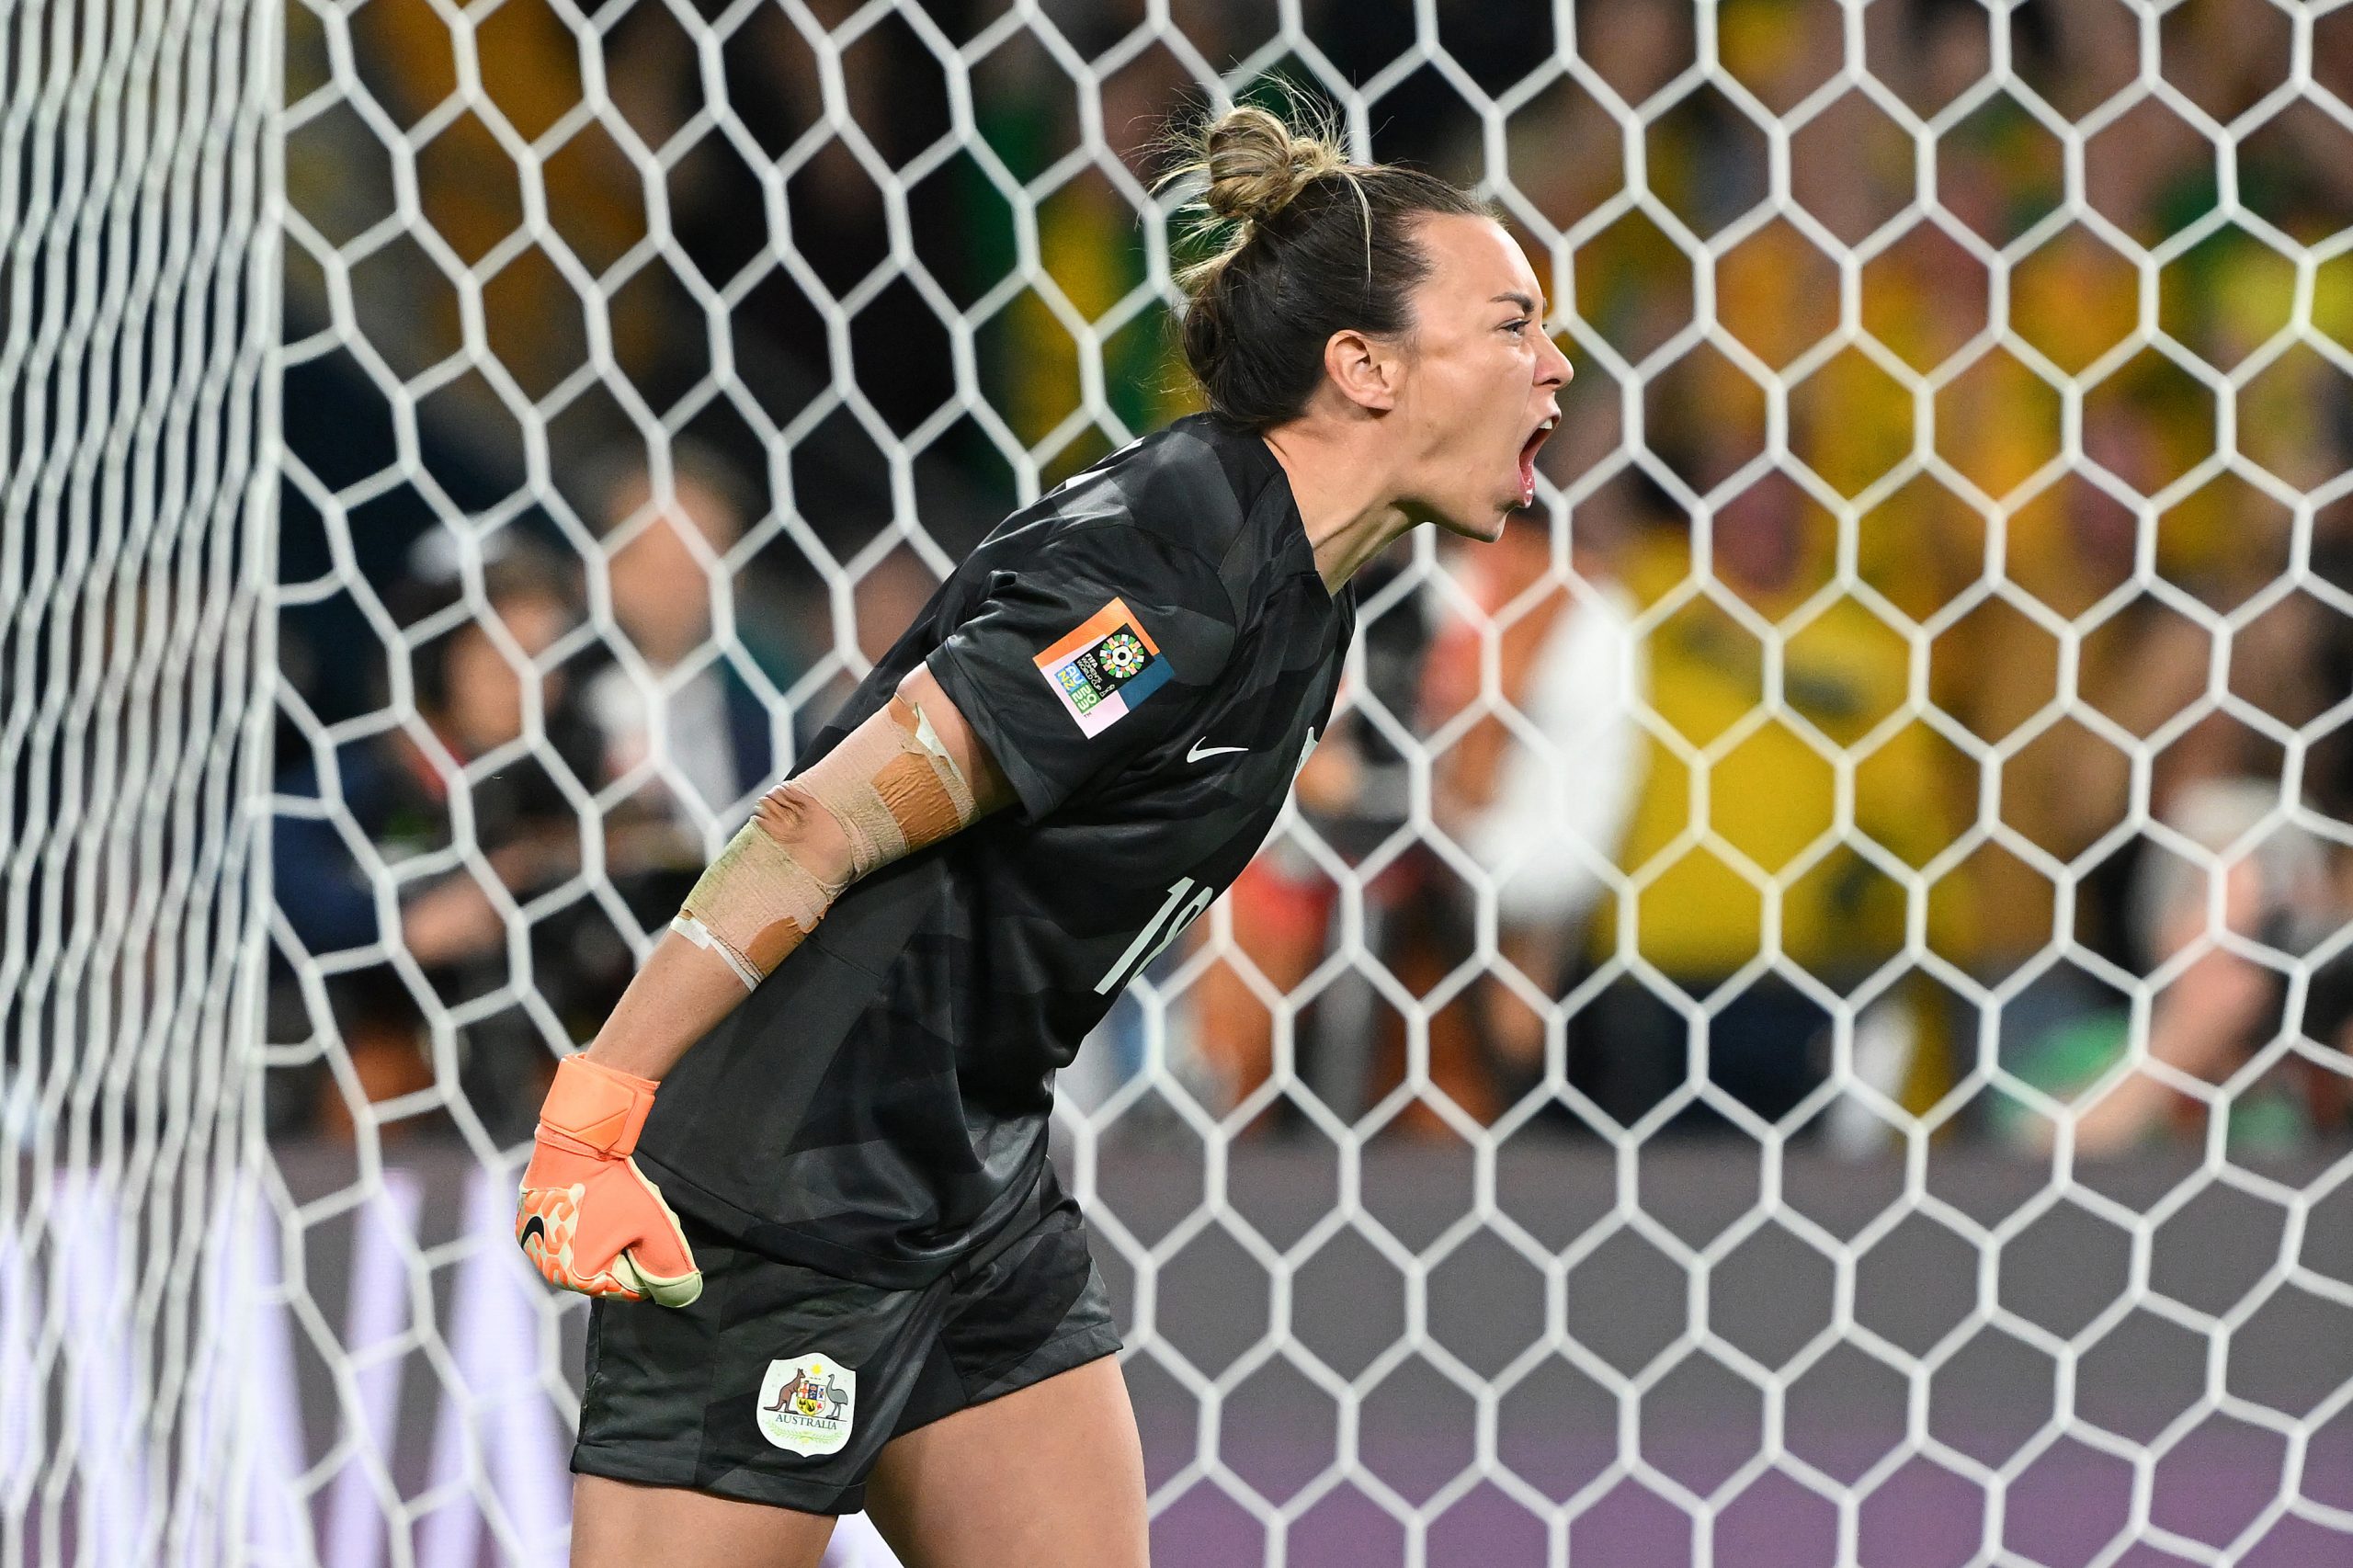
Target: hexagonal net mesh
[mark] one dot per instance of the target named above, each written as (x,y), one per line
(138,303)
(1796,1016)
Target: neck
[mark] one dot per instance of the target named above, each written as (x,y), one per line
(1342,485)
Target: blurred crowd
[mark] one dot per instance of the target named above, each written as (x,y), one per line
(1687,805)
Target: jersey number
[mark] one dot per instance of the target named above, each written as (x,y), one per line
(1174,914)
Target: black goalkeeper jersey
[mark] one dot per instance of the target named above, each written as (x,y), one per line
(1147,653)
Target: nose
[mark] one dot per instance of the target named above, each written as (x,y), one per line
(1552,367)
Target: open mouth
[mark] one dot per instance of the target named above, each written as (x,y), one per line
(1528,451)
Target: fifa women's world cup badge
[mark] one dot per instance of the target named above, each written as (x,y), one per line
(807,1403)
(1104,667)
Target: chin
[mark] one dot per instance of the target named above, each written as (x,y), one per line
(1481,520)
(1486,526)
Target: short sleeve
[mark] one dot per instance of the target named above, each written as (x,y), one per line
(1100,644)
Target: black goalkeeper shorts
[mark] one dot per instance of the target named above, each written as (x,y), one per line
(780,1383)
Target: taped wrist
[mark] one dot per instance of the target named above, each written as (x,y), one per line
(892,786)
(595,1109)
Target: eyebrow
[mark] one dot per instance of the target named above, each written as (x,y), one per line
(1509,298)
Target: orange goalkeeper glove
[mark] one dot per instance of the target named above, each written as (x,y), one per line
(588,1217)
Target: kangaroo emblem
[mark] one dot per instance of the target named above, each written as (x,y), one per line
(807,1403)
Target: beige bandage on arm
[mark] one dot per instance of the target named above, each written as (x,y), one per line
(893,787)
(889,786)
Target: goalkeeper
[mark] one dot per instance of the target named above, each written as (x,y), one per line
(803,1164)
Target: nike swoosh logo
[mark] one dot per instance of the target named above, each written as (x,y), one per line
(534,1226)
(1200,751)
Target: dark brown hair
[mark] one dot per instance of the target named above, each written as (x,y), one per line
(1314,245)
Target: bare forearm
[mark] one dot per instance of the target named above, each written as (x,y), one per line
(681,995)
(687,985)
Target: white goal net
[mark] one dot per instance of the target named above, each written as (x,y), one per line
(1798,1015)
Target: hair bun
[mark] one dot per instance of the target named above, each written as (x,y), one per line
(1255,166)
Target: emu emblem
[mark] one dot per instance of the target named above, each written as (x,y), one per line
(807,1403)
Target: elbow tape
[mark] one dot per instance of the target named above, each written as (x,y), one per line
(891,786)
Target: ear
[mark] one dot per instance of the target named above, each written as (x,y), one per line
(1366,370)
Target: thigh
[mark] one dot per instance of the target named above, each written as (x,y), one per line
(620,1524)
(1048,1476)
(776,1387)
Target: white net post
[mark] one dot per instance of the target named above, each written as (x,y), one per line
(1959,439)
(138,302)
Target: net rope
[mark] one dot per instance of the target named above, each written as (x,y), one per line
(138,288)
(486,227)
